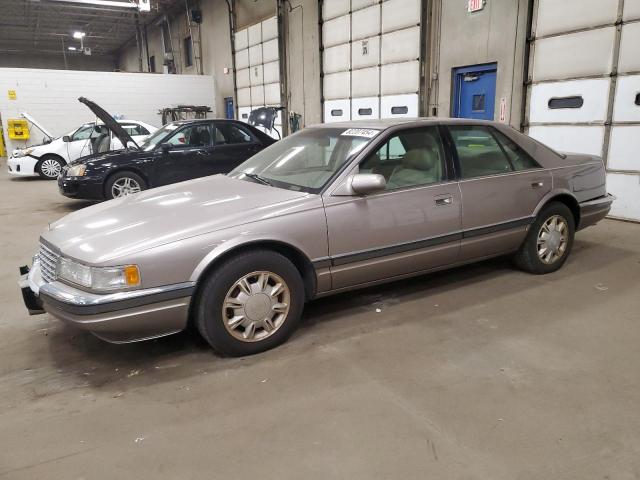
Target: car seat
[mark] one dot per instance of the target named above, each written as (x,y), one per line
(420,166)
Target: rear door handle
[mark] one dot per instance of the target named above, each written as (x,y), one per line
(537,184)
(442,201)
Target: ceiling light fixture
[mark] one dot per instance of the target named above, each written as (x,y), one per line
(78,34)
(73,49)
(103,3)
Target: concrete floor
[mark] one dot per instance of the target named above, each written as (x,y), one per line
(483,372)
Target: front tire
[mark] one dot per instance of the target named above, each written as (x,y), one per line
(250,303)
(122,184)
(49,167)
(548,241)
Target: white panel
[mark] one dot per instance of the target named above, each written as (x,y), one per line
(242,78)
(631,10)
(574,55)
(627,190)
(594,93)
(337,110)
(244,97)
(365,82)
(336,31)
(365,52)
(336,59)
(570,138)
(623,148)
(270,51)
(257,95)
(255,55)
(242,59)
(241,39)
(401,45)
(243,114)
(271,72)
(358,4)
(337,85)
(256,75)
(365,23)
(399,106)
(269,29)
(565,15)
(624,106)
(272,94)
(365,108)
(255,34)
(400,78)
(334,8)
(400,14)
(629,60)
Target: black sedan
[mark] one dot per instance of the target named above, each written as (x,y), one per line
(178,151)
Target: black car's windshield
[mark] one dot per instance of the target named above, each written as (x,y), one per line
(156,137)
(307,160)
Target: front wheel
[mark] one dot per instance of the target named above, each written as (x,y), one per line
(122,184)
(250,303)
(548,241)
(50,168)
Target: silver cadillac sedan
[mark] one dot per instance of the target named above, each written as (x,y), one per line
(331,208)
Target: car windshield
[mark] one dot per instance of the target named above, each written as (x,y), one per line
(305,161)
(156,138)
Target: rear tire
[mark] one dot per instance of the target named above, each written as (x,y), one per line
(548,241)
(250,303)
(124,183)
(49,167)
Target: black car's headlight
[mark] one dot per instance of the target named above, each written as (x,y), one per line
(76,171)
(99,278)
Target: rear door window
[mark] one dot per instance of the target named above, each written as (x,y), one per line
(479,153)
(520,159)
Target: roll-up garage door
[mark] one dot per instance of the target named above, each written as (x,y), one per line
(258,69)
(370,59)
(585,92)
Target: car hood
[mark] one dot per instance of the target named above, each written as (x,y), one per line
(109,121)
(103,233)
(108,157)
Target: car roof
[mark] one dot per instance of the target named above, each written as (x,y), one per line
(384,123)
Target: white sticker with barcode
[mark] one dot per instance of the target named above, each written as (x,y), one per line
(360,132)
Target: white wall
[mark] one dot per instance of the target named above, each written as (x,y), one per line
(51,96)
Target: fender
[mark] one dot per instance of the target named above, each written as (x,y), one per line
(554,192)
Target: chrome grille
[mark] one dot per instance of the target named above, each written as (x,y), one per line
(48,263)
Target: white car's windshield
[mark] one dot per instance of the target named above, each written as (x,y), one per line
(156,138)
(307,160)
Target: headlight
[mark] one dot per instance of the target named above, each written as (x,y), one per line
(76,171)
(22,153)
(99,278)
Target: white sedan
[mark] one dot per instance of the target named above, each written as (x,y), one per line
(48,159)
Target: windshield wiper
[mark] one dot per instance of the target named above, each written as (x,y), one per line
(258,178)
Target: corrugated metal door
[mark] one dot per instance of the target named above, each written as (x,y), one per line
(371,58)
(585,92)
(258,68)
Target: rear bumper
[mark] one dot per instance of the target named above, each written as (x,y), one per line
(592,211)
(120,317)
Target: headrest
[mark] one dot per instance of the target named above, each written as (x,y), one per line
(425,158)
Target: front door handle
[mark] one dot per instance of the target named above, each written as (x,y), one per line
(537,185)
(443,201)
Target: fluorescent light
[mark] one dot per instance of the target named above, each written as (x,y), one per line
(104,3)
(78,34)
(73,49)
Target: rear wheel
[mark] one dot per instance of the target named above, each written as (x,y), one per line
(250,303)
(549,240)
(49,167)
(122,184)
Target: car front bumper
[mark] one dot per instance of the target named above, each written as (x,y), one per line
(81,188)
(120,317)
(22,166)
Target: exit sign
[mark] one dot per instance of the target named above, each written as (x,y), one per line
(474,5)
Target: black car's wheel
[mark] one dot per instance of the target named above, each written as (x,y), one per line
(250,303)
(49,167)
(549,240)
(125,183)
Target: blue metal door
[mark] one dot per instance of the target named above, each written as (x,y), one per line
(475,91)
(228,103)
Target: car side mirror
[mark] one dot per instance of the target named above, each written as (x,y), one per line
(66,139)
(165,147)
(366,183)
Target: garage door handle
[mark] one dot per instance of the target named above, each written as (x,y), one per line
(537,184)
(444,201)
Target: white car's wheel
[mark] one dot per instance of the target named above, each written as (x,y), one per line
(49,167)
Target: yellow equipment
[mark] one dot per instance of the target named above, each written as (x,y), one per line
(18,129)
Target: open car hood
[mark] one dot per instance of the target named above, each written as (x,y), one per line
(109,122)
(35,123)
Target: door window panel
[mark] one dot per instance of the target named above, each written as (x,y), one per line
(191,136)
(409,159)
(134,129)
(519,158)
(478,151)
(230,134)
(84,132)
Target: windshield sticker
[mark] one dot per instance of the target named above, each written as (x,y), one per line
(360,132)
